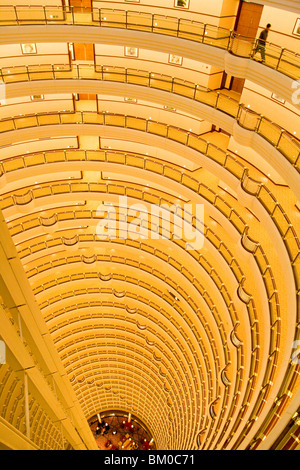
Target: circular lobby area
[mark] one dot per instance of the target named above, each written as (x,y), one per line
(118,430)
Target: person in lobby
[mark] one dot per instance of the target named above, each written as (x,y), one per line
(106,428)
(99,427)
(261,43)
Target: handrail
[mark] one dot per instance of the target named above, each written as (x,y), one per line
(94,238)
(161,254)
(113,160)
(227,161)
(259,190)
(271,351)
(277,57)
(248,119)
(218,155)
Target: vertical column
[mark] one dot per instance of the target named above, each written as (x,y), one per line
(26,403)
(26,392)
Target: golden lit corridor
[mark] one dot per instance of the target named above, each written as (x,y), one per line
(149,225)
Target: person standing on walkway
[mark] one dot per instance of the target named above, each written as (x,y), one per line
(261,43)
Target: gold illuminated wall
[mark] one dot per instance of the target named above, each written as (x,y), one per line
(128,99)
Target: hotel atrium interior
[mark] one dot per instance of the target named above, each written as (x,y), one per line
(115,332)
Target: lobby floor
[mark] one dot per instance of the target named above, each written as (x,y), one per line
(121,435)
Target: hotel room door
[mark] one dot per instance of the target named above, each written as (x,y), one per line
(247,23)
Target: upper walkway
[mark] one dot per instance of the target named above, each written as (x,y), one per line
(285,61)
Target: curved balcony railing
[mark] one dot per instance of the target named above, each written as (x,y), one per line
(165,316)
(191,333)
(277,57)
(36,248)
(158,253)
(216,154)
(12,409)
(133,282)
(226,160)
(92,238)
(275,212)
(127,372)
(256,189)
(248,119)
(92,214)
(177,86)
(176,362)
(219,156)
(262,262)
(155,273)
